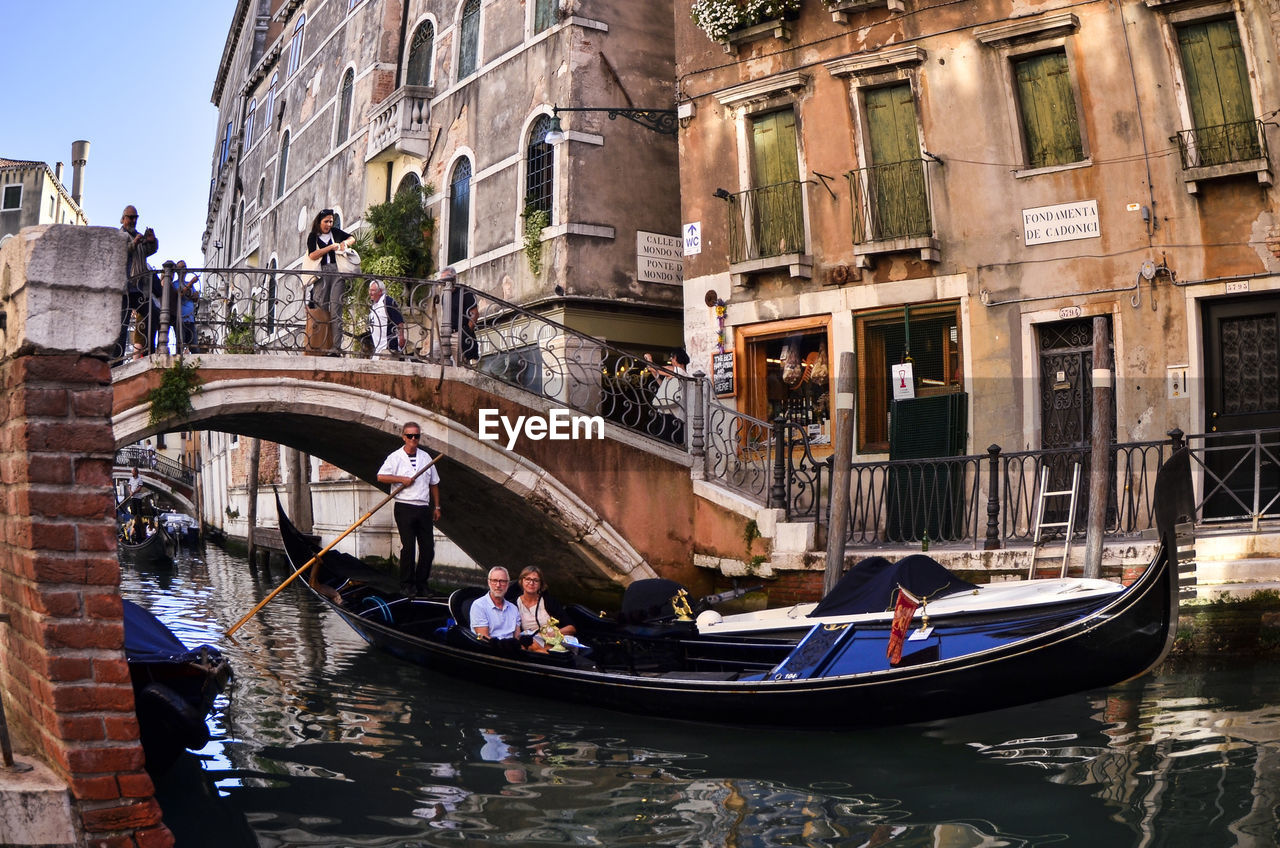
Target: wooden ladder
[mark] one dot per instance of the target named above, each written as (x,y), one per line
(1069,525)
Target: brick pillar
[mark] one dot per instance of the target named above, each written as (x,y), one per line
(63,673)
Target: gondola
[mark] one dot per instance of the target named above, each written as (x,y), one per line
(156,550)
(848,674)
(174,687)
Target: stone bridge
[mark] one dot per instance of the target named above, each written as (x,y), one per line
(596,512)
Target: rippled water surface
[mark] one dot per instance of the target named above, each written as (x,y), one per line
(322,740)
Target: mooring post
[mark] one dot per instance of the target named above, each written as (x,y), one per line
(992,542)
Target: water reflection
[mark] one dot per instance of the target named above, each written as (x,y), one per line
(324,741)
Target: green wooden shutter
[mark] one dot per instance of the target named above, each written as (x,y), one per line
(895,180)
(1050,128)
(1218,92)
(775,210)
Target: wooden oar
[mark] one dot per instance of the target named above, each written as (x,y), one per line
(251,613)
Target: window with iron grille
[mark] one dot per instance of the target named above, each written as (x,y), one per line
(469,39)
(459,210)
(540,168)
(282,165)
(421,46)
(295,46)
(344,105)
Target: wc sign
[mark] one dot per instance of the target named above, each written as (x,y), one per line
(904,384)
(692,238)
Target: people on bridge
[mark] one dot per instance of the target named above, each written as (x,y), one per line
(185,297)
(464,313)
(137,288)
(417,508)
(668,402)
(492,615)
(386,323)
(323,243)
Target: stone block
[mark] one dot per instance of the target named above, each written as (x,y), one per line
(35,807)
(61,287)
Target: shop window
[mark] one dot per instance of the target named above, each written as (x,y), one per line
(928,338)
(786,372)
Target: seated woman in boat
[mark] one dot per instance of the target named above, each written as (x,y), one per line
(492,615)
(540,615)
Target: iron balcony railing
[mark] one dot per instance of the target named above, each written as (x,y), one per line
(891,201)
(1202,147)
(265,311)
(767,221)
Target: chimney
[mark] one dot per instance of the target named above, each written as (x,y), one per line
(79,156)
(57,172)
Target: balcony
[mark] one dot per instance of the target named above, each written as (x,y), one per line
(892,211)
(1226,150)
(402,123)
(766,231)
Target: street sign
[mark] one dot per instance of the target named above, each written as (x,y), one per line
(692,238)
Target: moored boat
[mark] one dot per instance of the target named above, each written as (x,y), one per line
(838,674)
(174,687)
(155,548)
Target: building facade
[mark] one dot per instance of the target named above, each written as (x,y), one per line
(32,193)
(953,192)
(338,104)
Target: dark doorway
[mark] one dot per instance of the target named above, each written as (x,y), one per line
(1241,393)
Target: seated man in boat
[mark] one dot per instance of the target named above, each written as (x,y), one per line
(492,615)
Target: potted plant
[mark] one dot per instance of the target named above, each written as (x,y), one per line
(720,18)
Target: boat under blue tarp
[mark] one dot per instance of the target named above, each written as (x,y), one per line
(872,584)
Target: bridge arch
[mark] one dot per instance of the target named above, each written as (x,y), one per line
(499,506)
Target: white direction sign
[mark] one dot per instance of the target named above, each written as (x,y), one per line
(692,238)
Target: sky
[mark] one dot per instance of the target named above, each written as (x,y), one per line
(136,81)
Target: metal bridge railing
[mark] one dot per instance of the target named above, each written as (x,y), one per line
(162,465)
(266,311)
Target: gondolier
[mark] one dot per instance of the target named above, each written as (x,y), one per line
(416,510)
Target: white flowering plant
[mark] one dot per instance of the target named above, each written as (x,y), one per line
(718,18)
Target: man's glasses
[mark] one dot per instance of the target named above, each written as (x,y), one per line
(412,435)
(498,582)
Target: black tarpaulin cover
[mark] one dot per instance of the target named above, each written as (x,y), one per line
(148,640)
(870,585)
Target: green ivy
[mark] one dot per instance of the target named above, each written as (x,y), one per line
(172,398)
(535,220)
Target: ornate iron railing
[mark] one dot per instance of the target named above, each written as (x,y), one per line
(890,201)
(1203,147)
(265,311)
(766,221)
(162,465)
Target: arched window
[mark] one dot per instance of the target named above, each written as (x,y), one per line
(282,165)
(407,182)
(459,210)
(469,39)
(236,242)
(344,105)
(269,102)
(295,45)
(248,123)
(539,179)
(419,70)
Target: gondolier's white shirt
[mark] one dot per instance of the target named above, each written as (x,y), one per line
(400,464)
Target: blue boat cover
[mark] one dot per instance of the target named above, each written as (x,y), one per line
(147,639)
(871,585)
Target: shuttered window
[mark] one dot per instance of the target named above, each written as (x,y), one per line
(1047,108)
(1217,81)
(775,214)
(895,177)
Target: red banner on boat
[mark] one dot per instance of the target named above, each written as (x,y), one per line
(903,610)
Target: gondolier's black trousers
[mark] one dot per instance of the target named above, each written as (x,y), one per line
(417,546)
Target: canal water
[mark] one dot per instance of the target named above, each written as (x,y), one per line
(323,741)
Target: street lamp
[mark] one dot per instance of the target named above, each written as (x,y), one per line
(662,121)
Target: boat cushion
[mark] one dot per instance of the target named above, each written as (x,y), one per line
(870,586)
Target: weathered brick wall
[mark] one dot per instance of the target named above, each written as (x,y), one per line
(64,677)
